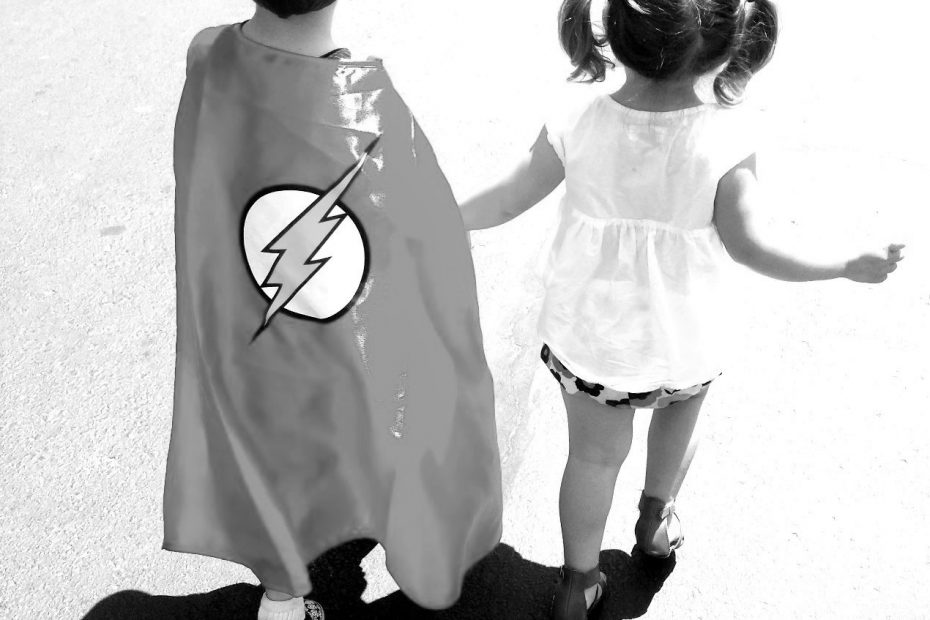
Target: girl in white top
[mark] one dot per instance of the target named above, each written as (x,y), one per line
(659,189)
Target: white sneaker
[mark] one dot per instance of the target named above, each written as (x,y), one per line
(292,609)
(313,610)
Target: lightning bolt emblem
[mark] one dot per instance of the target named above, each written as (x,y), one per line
(298,245)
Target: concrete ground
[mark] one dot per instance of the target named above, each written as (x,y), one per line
(809,497)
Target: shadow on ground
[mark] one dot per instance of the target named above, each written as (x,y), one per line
(502,586)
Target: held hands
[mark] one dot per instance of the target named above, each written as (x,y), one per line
(873,268)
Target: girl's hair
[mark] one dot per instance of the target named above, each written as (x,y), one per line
(287,8)
(663,39)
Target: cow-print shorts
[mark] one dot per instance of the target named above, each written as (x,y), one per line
(656,399)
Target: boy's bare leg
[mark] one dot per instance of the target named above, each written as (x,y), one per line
(277,596)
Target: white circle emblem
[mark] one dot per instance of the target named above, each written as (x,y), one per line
(305,251)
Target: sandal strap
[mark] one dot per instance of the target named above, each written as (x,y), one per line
(588,578)
(655,507)
(592,577)
(661,513)
(674,542)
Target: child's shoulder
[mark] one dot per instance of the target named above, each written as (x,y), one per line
(733,133)
(740,122)
(202,42)
(567,112)
(745,114)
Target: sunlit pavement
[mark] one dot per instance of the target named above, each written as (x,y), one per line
(808,495)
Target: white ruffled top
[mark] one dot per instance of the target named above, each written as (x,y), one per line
(633,275)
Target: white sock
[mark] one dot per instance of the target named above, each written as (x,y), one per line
(292,609)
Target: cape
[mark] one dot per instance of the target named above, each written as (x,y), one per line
(331,382)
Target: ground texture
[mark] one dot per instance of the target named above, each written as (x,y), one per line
(809,496)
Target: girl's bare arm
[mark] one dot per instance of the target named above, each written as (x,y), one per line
(532,179)
(737,197)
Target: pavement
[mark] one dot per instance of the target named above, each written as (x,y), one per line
(809,495)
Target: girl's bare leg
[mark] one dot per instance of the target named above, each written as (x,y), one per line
(671,446)
(599,440)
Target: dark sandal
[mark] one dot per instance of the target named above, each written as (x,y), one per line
(658,529)
(569,601)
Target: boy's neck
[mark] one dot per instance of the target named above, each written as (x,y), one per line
(642,93)
(310,34)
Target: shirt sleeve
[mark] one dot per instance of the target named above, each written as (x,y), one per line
(561,125)
(556,137)
(743,131)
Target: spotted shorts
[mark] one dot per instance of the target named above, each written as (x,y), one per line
(656,399)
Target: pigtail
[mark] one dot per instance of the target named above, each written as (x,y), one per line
(754,46)
(580,43)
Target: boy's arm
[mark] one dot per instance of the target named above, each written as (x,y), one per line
(532,179)
(737,196)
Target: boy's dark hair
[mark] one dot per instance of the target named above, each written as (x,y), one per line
(287,8)
(662,39)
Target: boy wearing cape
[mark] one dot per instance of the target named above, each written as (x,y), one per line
(330,382)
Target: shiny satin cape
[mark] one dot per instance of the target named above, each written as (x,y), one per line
(295,434)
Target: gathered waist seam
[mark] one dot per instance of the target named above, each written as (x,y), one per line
(642,223)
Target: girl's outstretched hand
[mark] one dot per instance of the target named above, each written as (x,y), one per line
(873,268)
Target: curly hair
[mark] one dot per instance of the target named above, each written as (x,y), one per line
(663,39)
